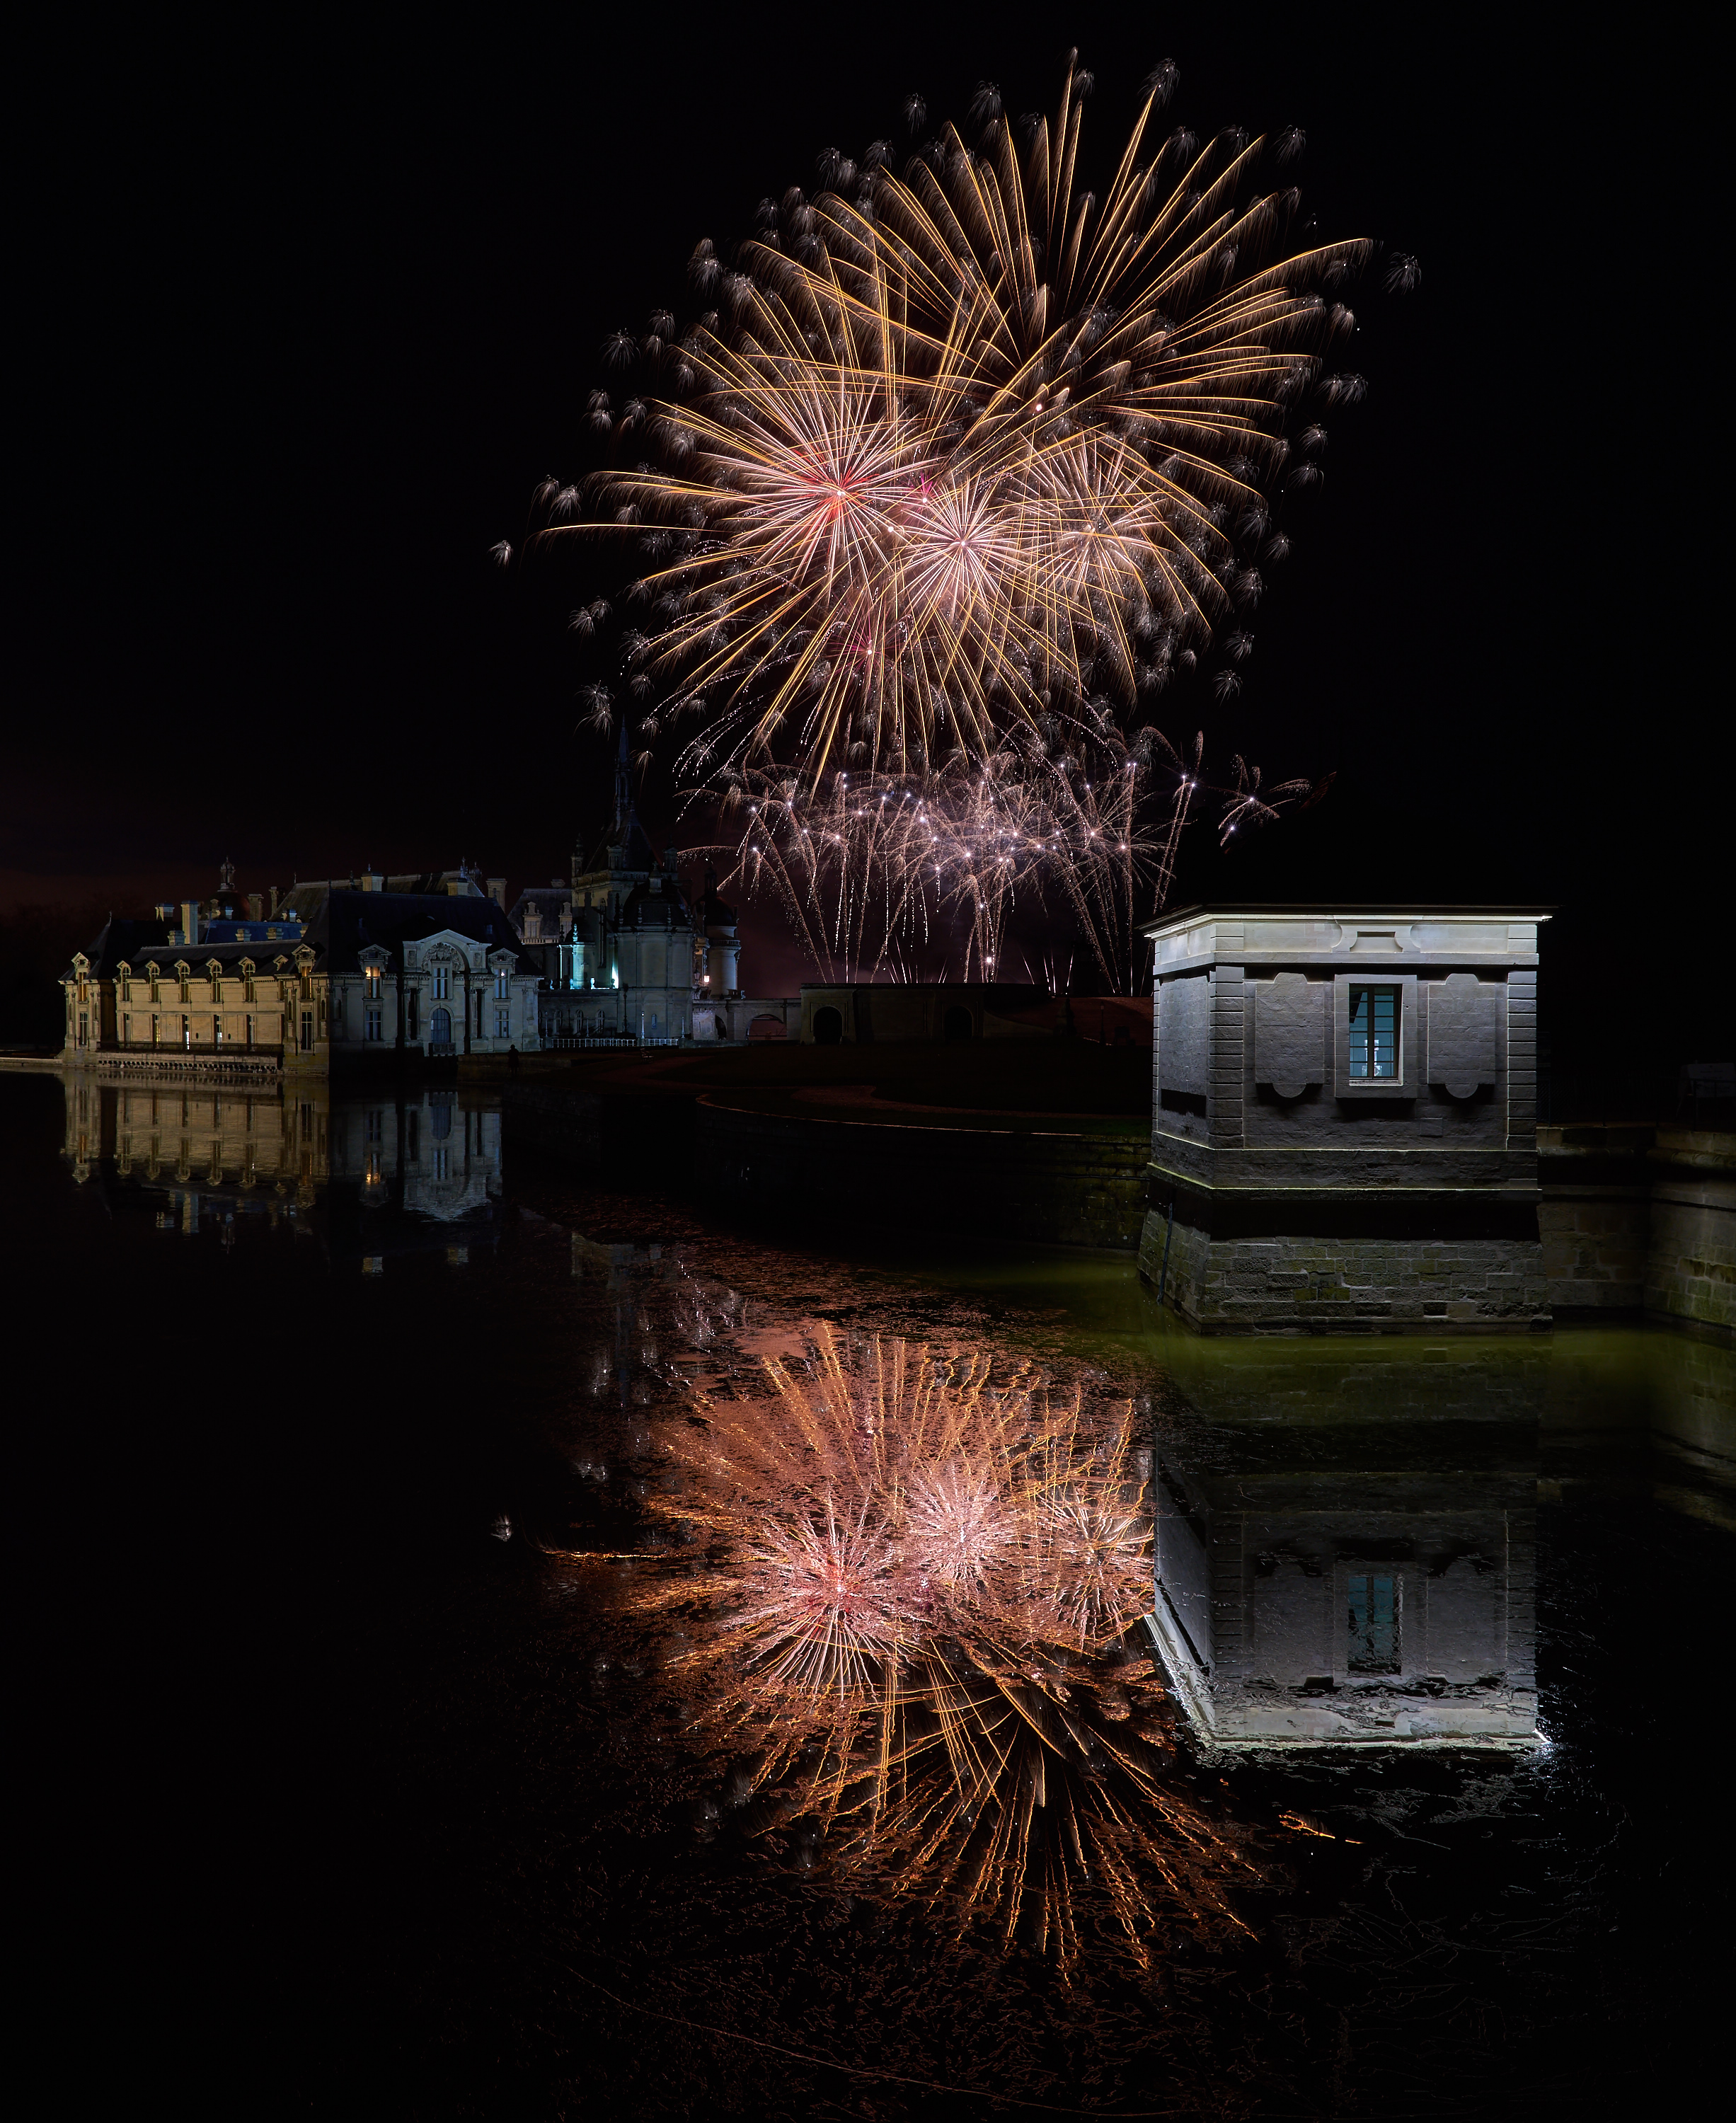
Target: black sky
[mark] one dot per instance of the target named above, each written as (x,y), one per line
(306,313)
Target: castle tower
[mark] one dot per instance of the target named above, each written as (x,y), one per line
(1344,1122)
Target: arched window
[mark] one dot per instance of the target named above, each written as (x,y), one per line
(828,1026)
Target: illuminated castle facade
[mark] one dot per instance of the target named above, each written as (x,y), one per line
(626,954)
(342,973)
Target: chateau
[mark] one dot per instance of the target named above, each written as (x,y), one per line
(354,972)
(333,974)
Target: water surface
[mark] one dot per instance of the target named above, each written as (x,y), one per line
(386,1479)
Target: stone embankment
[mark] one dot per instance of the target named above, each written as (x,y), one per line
(1640,1219)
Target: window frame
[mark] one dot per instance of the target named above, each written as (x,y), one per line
(1369,1576)
(1368,1041)
(1405,1084)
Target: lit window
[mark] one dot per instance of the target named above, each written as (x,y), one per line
(1374,1019)
(1373,1620)
(501,991)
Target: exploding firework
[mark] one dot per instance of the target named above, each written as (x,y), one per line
(963,444)
(920,1576)
(867,868)
(963,462)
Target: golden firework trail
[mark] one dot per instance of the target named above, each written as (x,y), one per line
(963,461)
(961,446)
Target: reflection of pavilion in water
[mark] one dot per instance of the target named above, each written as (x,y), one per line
(1345,1551)
(371,1173)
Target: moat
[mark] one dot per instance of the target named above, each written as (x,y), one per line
(395,1496)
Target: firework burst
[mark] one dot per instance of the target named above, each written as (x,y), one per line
(961,444)
(869,868)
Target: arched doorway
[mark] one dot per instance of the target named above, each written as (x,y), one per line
(956,1024)
(439,1029)
(828,1027)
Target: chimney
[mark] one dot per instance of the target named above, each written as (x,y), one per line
(273,899)
(255,907)
(497,892)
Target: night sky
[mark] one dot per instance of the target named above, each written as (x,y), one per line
(305,318)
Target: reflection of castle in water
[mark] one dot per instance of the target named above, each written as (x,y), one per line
(1345,1552)
(402,1171)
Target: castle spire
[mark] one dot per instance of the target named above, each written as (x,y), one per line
(623,791)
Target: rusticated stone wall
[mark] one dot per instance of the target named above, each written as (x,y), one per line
(1630,1220)
(1326,1285)
(1640,1218)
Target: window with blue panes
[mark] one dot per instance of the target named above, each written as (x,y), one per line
(1374,1028)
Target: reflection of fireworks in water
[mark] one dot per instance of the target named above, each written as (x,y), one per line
(919,1583)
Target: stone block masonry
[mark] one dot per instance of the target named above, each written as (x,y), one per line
(1343,1119)
(1321,1285)
(1641,1218)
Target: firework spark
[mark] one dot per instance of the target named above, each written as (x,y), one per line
(963,444)
(869,868)
(962,464)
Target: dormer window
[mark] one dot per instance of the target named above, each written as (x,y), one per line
(1374,1028)
(502,991)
